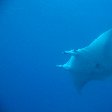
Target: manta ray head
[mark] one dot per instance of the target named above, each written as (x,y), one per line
(93,62)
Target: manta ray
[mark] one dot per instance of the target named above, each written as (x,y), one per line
(93,62)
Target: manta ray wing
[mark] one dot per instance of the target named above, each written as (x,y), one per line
(102,44)
(94,62)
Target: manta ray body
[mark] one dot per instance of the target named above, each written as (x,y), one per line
(93,62)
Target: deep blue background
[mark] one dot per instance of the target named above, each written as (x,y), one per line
(33,33)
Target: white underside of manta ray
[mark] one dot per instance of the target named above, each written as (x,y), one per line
(93,62)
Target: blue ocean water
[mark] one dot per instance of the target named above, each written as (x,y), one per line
(33,33)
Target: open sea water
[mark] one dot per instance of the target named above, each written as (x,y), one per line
(33,35)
